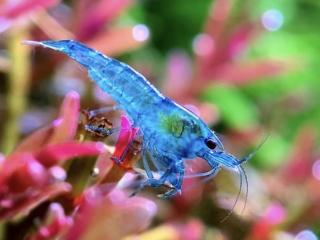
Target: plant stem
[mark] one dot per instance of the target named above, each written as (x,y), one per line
(19,76)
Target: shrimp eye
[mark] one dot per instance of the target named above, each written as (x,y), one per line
(210,143)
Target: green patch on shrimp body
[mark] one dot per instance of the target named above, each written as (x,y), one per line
(173,124)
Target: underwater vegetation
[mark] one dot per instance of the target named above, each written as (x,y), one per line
(82,162)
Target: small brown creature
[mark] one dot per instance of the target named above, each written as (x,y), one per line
(98,127)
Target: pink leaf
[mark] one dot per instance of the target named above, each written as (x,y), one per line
(240,39)
(299,168)
(219,17)
(29,175)
(53,154)
(247,72)
(25,204)
(115,41)
(18,166)
(95,16)
(179,74)
(61,130)
(263,227)
(67,123)
(103,165)
(14,9)
(111,217)
(216,30)
(36,141)
(58,224)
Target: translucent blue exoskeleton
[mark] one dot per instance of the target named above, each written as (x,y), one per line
(171,134)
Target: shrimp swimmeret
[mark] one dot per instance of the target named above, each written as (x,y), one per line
(171,134)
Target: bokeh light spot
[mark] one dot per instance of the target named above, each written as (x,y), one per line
(2,158)
(203,44)
(306,235)
(58,173)
(275,213)
(4,24)
(35,168)
(272,20)
(140,32)
(62,86)
(316,169)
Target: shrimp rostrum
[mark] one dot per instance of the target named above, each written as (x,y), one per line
(171,133)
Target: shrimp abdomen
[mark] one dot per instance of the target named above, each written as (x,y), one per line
(126,86)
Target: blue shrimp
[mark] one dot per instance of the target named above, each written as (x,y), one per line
(171,133)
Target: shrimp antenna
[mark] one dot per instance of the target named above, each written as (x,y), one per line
(242,172)
(241,169)
(237,198)
(254,152)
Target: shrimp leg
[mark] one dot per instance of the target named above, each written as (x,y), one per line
(103,132)
(173,175)
(146,166)
(119,160)
(99,126)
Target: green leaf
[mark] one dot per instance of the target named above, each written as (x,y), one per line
(272,153)
(236,110)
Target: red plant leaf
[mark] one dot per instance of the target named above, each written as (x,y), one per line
(24,204)
(31,174)
(95,16)
(62,129)
(299,168)
(216,30)
(179,74)
(67,123)
(224,52)
(111,217)
(263,227)
(220,14)
(104,165)
(240,39)
(115,41)
(53,154)
(16,163)
(51,26)
(15,9)
(57,224)
(248,72)
(36,141)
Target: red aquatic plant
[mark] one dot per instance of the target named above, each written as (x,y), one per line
(219,55)
(91,18)
(56,224)
(262,229)
(32,173)
(229,39)
(105,214)
(12,10)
